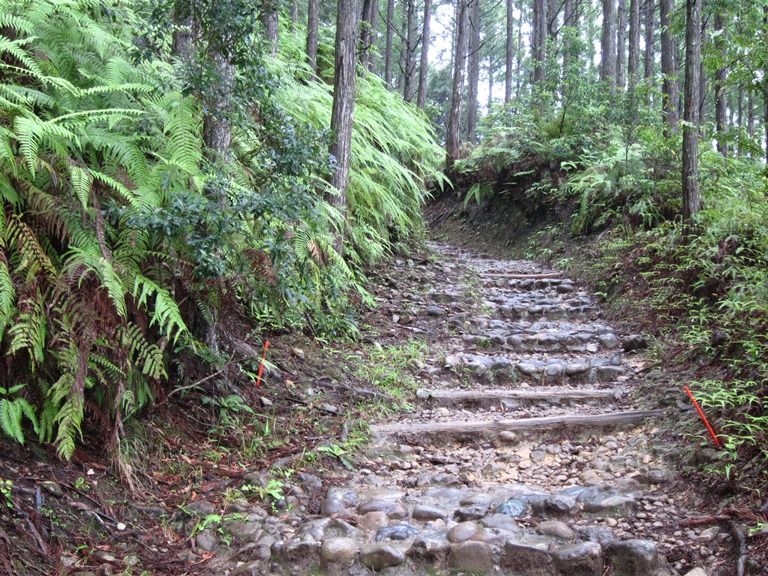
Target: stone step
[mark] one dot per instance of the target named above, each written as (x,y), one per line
(500,369)
(461,429)
(511,399)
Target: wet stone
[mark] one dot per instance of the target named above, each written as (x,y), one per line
(397,532)
(470,512)
(527,559)
(338,550)
(579,559)
(513,508)
(380,556)
(471,556)
(429,549)
(372,521)
(462,531)
(636,558)
(201,508)
(501,522)
(205,540)
(393,510)
(556,529)
(427,513)
(561,504)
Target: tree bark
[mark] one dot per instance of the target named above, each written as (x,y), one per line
(608,45)
(538,40)
(368,24)
(518,66)
(343,110)
(388,43)
(621,44)
(410,42)
(670,89)
(691,193)
(633,64)
(721,77)
(648,56)
(421,97)
(270,14)
(453,129)
(570,19)
(313,17)
(473,68)
(509,54)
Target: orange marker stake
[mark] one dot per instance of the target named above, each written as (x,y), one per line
(261,364)
(703,418)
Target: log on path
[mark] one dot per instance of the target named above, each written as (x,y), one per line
(521,276)
(544,423)
(543,394)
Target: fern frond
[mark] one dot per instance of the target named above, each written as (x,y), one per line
(166,313)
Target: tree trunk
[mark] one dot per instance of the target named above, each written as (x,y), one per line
(633,65)
(621,44)
(518,66)
(410,43)
(473,68)
(270,19)
(342,113)
(313,16)
(368,24)
(570,19)
(509,55)
(294,14)
(691,193)
(650,17)
(453,129)
(608,45)
(553,12)
(421,98)
(538,40)
(388,43)
(721,77)
(670,89)
(751,116)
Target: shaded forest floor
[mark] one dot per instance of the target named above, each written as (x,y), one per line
(310,416)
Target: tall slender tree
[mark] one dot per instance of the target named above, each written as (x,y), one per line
(461,41)
(509,53)
(721,78)
(343,110)
(421,97)
(608,45)
(539,40)
(621,44)
(633,64)
(473,68)
(670,88)
(368,24)
(313,18)
(648,56)
(410,45)
(389,43)
(691,192)
(270,14)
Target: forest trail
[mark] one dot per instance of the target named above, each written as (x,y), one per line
(526,453)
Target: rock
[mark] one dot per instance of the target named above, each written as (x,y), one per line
(393,510)
(201,508)
(206,540)
(556,529)
(372,521)
(461,532)
(427,513)
(696,572)
(338,550)
(600,534)
(513,507)
(470,512)
(52,488)
(635,558)
(590,478)
(609,341)
(527,559)
(338,528)
(560,504)
(471,556)
(255,568)
(396,532)
(298,352)
(330,506)
(245,531)
(429,549)
(500,522)
(433,310)
(299,549)
(380,556)
(634,342)
(608,501)
(579,559)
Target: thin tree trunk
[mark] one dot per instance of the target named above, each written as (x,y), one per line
(388,43)
(411,42)
(518,66)
(552,18)
(650,17)
(473,68)
(453,130)
(691,193)
(313,16)
(670,88)
(270,14)
(621,44)
(721,102)
(509,54)
(294,13)
(421,98)
(403,55)
(368,33)
(538,39)
(570,19)
(608,45)
(751,116)
(633,65)
(343,110)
